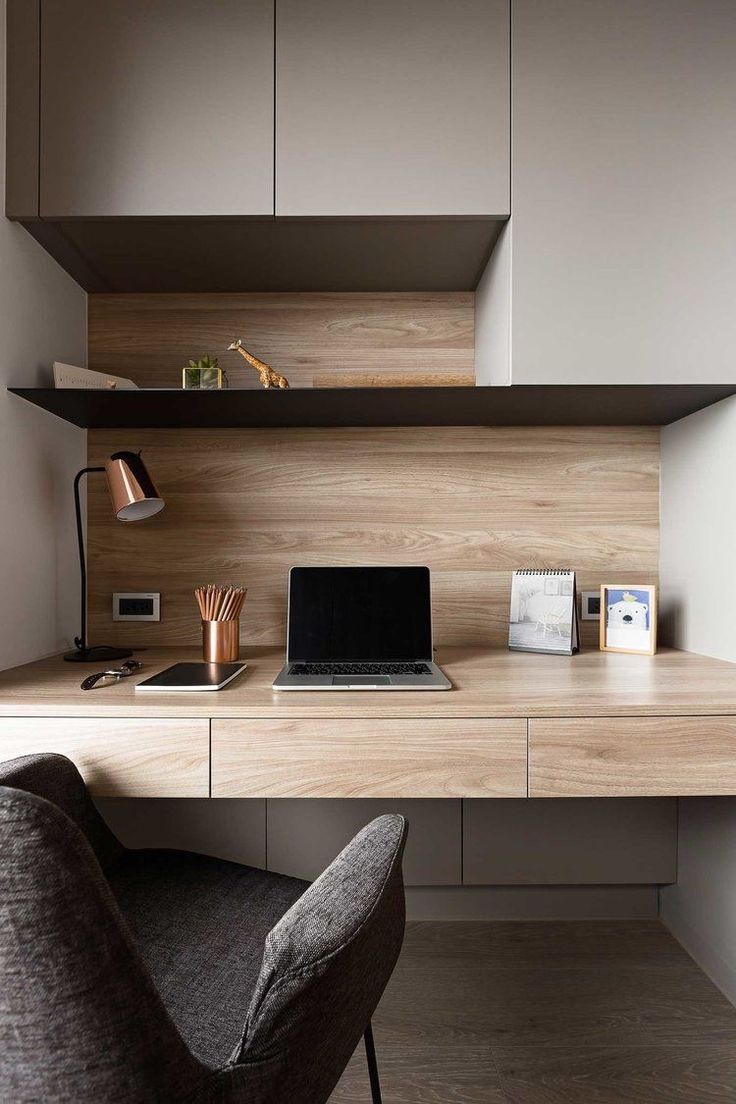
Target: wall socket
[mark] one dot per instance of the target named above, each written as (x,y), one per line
(136,607)
(591,605)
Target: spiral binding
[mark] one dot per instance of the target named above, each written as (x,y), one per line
(544,571)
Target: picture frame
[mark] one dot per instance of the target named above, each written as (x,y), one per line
(628,619)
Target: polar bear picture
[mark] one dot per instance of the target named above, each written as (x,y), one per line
(628,620)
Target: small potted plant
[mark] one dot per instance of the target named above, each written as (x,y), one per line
(204,374)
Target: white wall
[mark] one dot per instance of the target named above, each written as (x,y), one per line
(698,580)
(42,319)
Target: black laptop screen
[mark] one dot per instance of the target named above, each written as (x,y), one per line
(359,613)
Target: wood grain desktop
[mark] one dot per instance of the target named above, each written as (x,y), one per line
(515,725)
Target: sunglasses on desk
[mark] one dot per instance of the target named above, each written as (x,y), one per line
(114,674)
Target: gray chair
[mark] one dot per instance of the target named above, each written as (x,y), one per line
(166,976)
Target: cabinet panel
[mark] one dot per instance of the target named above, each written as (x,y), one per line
(623,191)
(369,758)
(156,107)
(305,835)
(231,830)
(392,109)
(120,757)
(632,757)
(575,841)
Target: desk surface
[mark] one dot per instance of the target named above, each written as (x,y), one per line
(485,684)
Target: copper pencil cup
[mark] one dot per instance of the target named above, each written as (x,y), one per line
(221,641)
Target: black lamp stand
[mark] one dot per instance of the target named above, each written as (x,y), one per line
(82,653)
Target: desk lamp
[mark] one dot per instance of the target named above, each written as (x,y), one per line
(134,497)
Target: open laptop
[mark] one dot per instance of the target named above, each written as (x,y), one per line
(360,628)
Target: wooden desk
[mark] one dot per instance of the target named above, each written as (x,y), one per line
(515,725)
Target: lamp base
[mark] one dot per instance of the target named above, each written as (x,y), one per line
(101,654)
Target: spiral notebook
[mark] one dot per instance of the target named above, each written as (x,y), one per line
(544,612)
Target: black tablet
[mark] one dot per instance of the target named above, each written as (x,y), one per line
(193,676)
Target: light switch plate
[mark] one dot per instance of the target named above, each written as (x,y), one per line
(136,607)
(591,605)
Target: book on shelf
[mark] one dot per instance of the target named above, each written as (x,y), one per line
(544,612)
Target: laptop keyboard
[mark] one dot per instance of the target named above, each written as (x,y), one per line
(359,669)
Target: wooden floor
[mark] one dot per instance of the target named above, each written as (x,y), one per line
(599,1012)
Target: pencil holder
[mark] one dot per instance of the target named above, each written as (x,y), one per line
(221,641)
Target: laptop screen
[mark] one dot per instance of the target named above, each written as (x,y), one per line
(359,614)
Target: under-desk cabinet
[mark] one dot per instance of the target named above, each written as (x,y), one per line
(369,758)
(632,756)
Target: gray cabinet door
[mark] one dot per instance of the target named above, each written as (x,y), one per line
(305,834)
(394,107)
(156,107)
(624,191)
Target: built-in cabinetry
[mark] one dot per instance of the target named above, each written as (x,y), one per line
(161,108)
(468,767)
(157,145)
(392,108)
(121,755)
(156,107)
(622,245)
(370,757)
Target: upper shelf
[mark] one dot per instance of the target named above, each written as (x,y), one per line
(643,404)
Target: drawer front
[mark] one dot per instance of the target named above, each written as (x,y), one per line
(632,757)
(119,757)
(367,758)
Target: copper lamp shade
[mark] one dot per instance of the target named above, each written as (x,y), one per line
(132,491)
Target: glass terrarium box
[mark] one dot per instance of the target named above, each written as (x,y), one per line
(203,375)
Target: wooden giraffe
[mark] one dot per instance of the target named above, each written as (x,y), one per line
(266,374)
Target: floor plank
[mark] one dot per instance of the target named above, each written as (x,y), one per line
(536,1006)
(618,1075)
(548,943)
(595,1012)
(417,1074)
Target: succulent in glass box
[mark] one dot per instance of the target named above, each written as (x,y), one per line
(204,374)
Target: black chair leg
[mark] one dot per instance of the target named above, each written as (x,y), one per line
(370,1053)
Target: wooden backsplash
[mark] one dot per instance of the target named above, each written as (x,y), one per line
(309,338)
(244,505)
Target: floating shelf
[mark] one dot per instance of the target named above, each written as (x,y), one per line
(642,404)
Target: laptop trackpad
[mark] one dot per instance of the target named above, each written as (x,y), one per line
(361,680)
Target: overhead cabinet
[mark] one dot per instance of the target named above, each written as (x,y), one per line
(156,107)
(181,145)
(622,243)
(389,108)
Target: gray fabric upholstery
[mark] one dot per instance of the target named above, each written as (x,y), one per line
(200,925)
(152,984)
(80,1019)
(325,966)
(57,779)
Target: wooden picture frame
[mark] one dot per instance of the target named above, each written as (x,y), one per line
(627,613)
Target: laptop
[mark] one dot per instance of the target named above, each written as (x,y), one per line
(360,628)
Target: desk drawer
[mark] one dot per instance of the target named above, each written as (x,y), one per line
(119,757)
(369,758)
(632,757)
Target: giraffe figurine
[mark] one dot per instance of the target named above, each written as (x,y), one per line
(266,374)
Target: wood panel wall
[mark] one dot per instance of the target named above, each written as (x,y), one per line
(312,339)
(473,504)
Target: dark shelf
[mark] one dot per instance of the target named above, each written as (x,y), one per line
(644,404)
